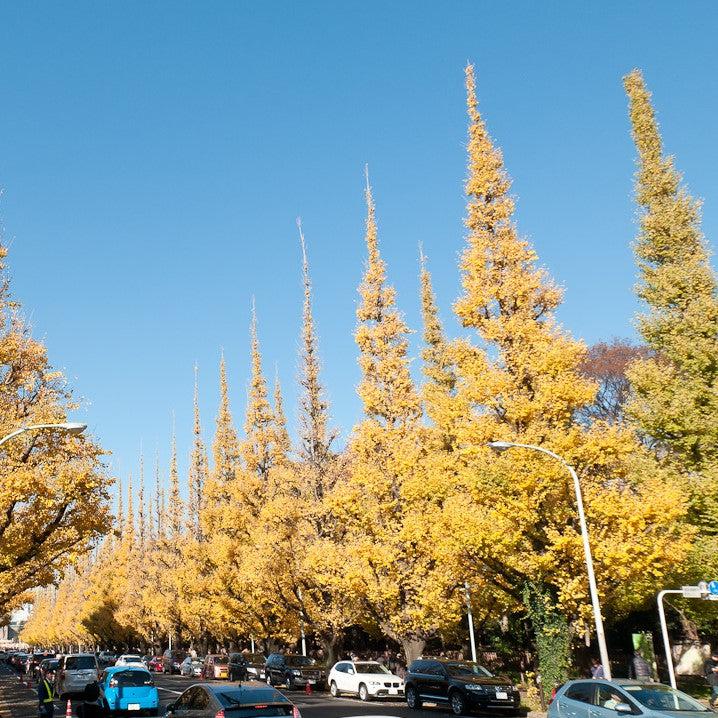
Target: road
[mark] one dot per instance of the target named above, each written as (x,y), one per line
(318,705)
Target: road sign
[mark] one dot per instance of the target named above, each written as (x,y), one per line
(713,588)
(691,591)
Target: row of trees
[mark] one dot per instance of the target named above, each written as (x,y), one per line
(385,533)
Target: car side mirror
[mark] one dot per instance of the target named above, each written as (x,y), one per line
(351,671)
(623,708)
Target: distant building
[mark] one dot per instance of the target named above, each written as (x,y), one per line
(9,634)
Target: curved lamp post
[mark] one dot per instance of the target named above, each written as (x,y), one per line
(600,636)
(68,427)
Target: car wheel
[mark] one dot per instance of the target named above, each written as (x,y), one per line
(363,692)
(412,698)
(333,689)
(269,679)
(290,683)
(457,702)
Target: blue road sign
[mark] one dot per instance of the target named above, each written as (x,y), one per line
(713,588)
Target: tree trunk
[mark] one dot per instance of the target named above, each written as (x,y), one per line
(330,644)
(413,647)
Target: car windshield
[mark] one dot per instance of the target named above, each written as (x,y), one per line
(133,678)
(662,698)
(298,661)
(467,669)
(371,668)
(79,663)
(236,702)
(132,659)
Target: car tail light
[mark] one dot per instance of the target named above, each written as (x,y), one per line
(296,713)
(219,713)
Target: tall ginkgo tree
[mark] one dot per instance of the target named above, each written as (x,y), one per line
(515,516)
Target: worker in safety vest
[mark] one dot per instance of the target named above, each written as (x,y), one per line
(44,696)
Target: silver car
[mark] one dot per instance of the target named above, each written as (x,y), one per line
(621,697)
(75,671)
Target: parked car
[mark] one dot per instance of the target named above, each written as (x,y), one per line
(155,664)
(366,679)
(48,668)
(33,667)
(131,659)
(206,700)
(621,697)
(215,667)
(74,672)
(246,666)
(171,660)
(462,685)
(293,671)
(129,689)
(106,658)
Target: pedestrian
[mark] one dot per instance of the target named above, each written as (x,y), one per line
(597,669)
(639,668)
(91,707)
(46,708)
(710,671)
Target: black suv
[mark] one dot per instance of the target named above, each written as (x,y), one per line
(246,666)
(294,671)
(462,685)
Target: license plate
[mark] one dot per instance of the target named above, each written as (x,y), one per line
(502,695)
(393,691)
(133,706)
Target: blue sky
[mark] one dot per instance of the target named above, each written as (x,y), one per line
(154,157)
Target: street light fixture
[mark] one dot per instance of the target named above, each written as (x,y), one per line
(501,446)
(69,427)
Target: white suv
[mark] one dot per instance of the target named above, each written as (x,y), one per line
(74,672)
(366,679)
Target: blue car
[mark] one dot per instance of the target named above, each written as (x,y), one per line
(130,690)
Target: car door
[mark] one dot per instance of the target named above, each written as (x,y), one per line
(346,678)
(439,681)
(606,698)
(576,701)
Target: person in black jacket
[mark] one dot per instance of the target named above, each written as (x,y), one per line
(91,706)
(46,707)
(710,671)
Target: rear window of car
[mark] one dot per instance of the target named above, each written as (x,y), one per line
(236,702)
(133,678)
(79,663)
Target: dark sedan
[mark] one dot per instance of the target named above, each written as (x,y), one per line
(206,700)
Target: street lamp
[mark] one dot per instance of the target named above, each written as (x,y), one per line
(67,427)
(600,636)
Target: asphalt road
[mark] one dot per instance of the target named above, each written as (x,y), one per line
(317,705)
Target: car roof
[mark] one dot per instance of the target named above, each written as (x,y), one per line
(119,669)
(615,682)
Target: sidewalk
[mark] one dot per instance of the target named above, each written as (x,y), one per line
(16,699)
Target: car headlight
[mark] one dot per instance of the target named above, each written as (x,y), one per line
(296,673)
(473,687)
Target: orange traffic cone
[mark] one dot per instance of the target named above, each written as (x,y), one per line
(68,710)
(308,688)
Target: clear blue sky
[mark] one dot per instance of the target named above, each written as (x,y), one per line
(154,157)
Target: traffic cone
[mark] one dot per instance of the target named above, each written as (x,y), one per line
(308,688)
(68,710)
